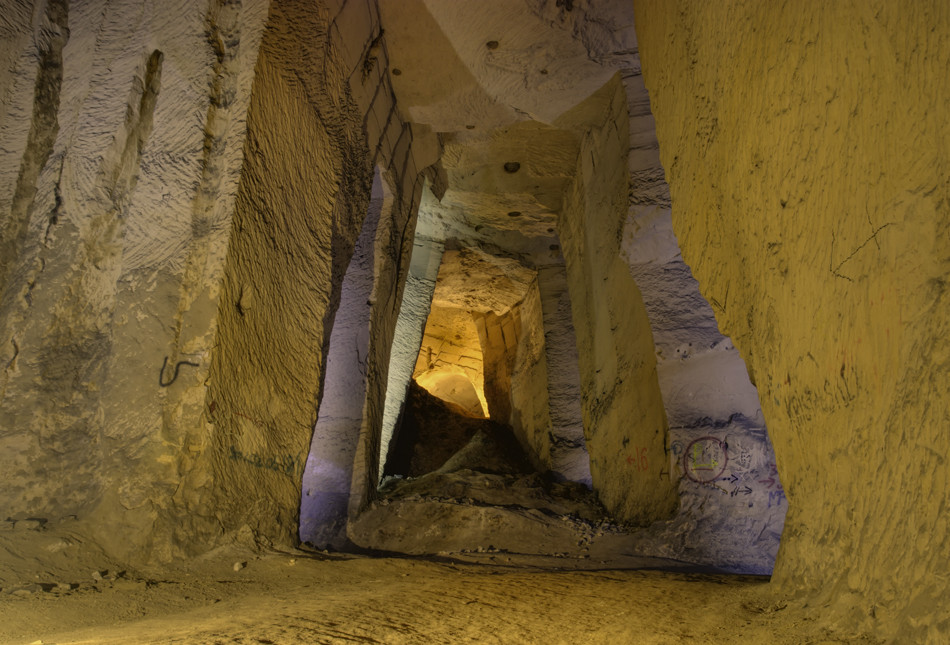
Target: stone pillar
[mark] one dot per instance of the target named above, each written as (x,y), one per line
(329,469)
(410,326)
(624,421)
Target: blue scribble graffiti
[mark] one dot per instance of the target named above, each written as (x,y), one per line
(289,465)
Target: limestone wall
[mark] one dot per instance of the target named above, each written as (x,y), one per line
(732,503)
(299,211)
(806,149)
(321,113)
(123,129)
(170,271)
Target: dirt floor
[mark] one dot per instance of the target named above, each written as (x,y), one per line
(58,589)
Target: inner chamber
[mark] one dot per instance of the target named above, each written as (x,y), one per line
(482,355)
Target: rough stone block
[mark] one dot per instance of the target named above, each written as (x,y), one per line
(831,188)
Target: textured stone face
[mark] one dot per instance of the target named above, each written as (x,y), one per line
(320,83)
(123,133)
(807,153)
(299,212)
(494,63)
(169,276)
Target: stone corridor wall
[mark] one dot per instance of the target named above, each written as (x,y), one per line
(177,182)
(732,503)
(123,130)
(299,210)
(807,152)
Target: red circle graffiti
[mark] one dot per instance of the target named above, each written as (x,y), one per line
(711,470)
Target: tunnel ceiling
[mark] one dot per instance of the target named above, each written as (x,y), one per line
(507,86)
(494,63)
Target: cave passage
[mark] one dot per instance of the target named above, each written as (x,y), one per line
(549,341)
(450,364)
(406,278)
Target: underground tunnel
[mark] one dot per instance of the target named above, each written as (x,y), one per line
(522,321)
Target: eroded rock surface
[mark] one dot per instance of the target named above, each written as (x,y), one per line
(806,153)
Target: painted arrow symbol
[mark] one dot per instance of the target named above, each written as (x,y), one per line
(733,479)
(770,481)
(746,491)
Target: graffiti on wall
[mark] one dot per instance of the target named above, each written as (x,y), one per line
(290,465)
(638,459)
(705,459)
(712,462)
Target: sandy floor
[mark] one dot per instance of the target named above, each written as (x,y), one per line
(315,598)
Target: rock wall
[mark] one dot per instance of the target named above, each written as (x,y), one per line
(170,271)
(321,82)
(807,157)
(624,422)
(732,503)
(299,211)
(123,130)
